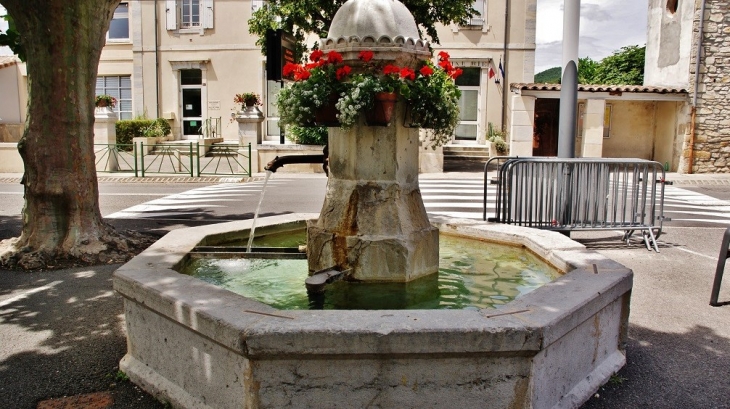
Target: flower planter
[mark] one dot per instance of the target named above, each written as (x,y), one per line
(382,112)
(326,115)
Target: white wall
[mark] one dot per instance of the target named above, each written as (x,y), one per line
(668,44)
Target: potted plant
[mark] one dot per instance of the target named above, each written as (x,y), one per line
(248,99)
(496,139)
(370,88)
(105,100)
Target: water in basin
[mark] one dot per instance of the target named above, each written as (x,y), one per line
(472,274)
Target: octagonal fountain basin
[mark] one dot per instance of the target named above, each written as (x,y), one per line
(200,346)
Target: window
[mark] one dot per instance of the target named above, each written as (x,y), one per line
(468,83)
(193,15)
(672,6)
(190,14)
(478,5)
(119,27)
(120,87)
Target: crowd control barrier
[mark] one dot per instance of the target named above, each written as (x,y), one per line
(582,194)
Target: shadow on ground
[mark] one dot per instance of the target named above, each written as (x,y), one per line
(698,358)
(62,335)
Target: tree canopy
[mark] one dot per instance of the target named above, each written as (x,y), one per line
(623,67)
(303,17)
(11,38)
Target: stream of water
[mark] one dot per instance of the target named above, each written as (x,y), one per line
(258,209)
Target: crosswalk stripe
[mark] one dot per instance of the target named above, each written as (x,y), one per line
(460,198)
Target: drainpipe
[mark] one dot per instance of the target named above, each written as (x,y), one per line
(697,86)
(505,84)
(157,63)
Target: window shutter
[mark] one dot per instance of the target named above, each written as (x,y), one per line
(207,13)
(171,12)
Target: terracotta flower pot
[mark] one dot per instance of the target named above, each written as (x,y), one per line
(382,111)
(326,115)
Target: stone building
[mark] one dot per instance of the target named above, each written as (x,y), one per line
(677,28)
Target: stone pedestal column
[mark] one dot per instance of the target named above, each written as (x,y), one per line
(522,125)
(592,144)
(373,221)
(105,133)
(249,131)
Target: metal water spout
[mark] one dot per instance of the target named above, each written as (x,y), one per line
(280,161)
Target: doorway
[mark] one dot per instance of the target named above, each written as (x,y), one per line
(191,87)
(545,132)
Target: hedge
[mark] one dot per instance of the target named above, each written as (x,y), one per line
(133,128)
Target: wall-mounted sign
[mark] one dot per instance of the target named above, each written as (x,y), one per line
(279,52)
(214,105)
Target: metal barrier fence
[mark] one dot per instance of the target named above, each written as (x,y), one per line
(190,159)
(582,194)
(115,158)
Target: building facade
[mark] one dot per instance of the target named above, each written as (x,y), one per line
(184,60)
(688,46)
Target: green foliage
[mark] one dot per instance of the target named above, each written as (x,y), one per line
(315,135)
(11,38)
(549,76)
(133,128)
(617,379)
(623,67)
(303,17)
(105,100)
(587,70)
(497,137)
(121,376)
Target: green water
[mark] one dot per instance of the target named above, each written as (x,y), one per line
(472,274)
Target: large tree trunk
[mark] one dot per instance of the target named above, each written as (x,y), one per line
(61,219)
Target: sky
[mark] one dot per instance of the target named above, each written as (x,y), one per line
(3,27)
(605,27)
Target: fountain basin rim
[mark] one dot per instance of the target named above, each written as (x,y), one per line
(254,329)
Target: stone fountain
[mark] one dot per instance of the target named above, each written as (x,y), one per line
(373,222)
(199,346)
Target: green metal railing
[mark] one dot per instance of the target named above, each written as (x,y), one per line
(227,160)
(184,158)
(115,158)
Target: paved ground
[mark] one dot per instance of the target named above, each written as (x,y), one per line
(62,331)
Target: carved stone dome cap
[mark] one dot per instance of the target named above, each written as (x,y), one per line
(373,18)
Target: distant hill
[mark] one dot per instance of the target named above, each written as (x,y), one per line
(550,76)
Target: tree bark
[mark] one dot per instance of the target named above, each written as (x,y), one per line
(61,217)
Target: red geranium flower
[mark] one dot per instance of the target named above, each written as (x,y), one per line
(301,75)
(446,65)
(342,72)
(408,74)
(316,55)
(426,71)
(391,69)
(334,57)
(365,55)
(455,74)
(290,68)
(444,56)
